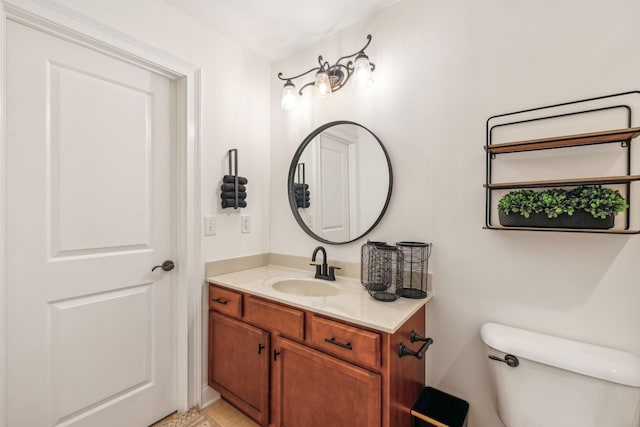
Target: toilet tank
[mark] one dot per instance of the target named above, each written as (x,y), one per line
(560,382)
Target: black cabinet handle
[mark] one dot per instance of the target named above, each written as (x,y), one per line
(260,348)
(338,343)
(275,354)
(220,301)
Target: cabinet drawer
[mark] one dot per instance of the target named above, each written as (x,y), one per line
(225,301)
(345,341)
(274,317)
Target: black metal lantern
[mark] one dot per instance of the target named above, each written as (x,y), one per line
(415,269)
(381,266)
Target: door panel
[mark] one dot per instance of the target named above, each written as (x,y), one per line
(90,210)
(239,364)
(343,394)
(84,189)
(78,358)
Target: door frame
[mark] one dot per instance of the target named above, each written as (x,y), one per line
(52,18)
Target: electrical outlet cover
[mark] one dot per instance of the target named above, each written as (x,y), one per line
(209,225)
(245,223)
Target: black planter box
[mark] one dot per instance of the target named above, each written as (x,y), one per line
(579,219)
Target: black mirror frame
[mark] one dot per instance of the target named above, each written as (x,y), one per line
(292,172)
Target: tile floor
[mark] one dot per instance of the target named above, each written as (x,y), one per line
(227,416)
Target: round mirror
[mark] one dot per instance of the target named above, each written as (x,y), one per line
(340,182)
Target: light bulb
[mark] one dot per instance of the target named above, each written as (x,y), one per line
(362,72)
(288,96)
(323,85)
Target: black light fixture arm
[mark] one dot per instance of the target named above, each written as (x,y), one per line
(339,73)
(299,75)
(324,65)
(361,51)
(305,86)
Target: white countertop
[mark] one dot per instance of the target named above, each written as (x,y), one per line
(352,304)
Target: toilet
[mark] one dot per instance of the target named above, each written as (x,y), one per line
(542,380)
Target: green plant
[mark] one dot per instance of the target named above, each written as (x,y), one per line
(599,201)
(524,202)
(555,202)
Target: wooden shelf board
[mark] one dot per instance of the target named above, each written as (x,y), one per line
(616,135)
(622,179)
(571,230)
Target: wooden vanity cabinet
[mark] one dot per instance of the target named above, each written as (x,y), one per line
(284,366)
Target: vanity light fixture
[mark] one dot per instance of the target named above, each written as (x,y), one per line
(331,78)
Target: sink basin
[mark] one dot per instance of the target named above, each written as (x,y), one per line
(306,287)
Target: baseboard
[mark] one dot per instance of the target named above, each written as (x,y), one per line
(208,396)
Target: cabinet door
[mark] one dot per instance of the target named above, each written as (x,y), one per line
(313,389)
(239,365)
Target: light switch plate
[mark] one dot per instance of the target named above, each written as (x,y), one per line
(245,223)
(209,225)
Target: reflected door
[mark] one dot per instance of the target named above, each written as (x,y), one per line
(91,330)
(333,198)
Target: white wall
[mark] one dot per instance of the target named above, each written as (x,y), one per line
(442,69)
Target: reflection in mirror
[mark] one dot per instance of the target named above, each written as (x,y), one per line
(340,182)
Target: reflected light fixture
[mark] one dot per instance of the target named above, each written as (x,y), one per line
(331,78)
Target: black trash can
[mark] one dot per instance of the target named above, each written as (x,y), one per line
(435,408)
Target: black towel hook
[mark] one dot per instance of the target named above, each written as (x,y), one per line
(403,350)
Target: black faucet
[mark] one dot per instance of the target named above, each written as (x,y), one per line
(321,269)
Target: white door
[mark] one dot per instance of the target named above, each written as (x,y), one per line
(334,218)
(91,331)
